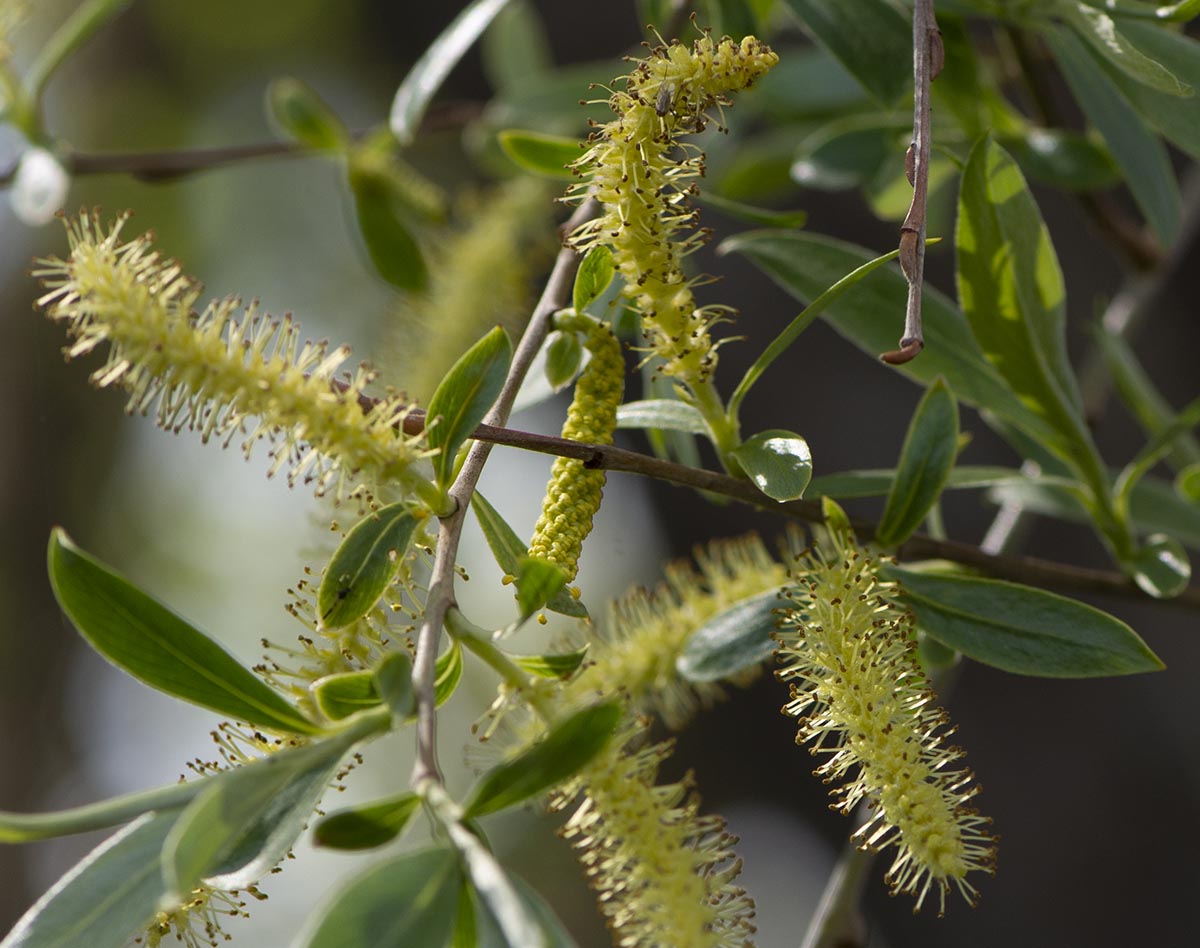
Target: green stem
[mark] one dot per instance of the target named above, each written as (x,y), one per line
(479,641)
(723,428)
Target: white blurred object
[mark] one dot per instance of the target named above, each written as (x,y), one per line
(39,188)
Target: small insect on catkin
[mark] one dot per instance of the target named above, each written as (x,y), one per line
(574,492)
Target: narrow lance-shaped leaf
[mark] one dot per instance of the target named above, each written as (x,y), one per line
(346,693)
(435,64)
(367,825)
(930,448)
(732,642)
(463,397)
(142,637)
(564,358)
(552,665)
(447,673)
(382,222)
(1021,629)
(665,414)
(27,827)
(106,897)
(304,116)
(538,581)
(567,746)
(592,278)
(1108,39)
(405,901)
(546,155)
(365,564)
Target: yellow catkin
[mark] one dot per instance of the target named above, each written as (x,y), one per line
(220,375)
(574,492)
(639,172)
(865,706)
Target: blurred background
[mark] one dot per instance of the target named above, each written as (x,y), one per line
(1094,786)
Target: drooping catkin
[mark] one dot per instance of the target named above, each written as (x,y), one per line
(574,492)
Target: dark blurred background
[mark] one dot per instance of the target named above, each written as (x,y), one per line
(1094,785)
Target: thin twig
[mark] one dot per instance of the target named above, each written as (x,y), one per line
(440,597)
(928,56)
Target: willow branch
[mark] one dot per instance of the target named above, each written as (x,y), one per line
(440,597)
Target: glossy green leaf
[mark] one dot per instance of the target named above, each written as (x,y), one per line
(27,827)
(447,673)
(515,48)
(1023,630)
(731,642)
(1107,38)
(869,37)
(807,265)
(568,745)
(592,278)
(390,243)
(346,693)
(1138,152)
(1063,159)
(1142,9)
(877,482)
(365,565)
(930,447)
(538,582)
(402,902)
(1161,567)
(463,397)
(436,63)
(106,897)
(509,550)
(393,681)
(1187,483)
(562,665)
(303,115)
(665,414)
(763,216)
(246,820)
(778,462)
(1012,293)
(848,152)
(564,358)
(142,637)
(367,825)
(549,156)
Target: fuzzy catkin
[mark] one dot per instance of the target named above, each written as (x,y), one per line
(637,169)
(574,492)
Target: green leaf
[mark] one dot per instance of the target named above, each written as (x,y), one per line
(1012,292)
(367,825)
(547,665)
(930,448)
(402,902)
(847,152)
(778,462)
(568,745)
(1161,567)
(766,249)
(1023,630)
(549,156)
(515,48)
(27,827)
(869,37)
(806,265)
(1142,158)
(537,582)
(1187,483)
(393,681)
(1108,39)
(447,673)
(509,550)
(246,820)
(1063,159)
(592,278)
(463,397)
(346,693)
(435,64)
(564,357)
(763,216)
(732,642)
(381,215)
(142,637)
(877,482)
(303,115)
(1159,445)
(106,897)
(1166,12)
(365,565)
(665,414)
